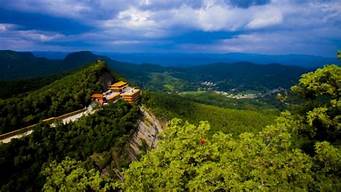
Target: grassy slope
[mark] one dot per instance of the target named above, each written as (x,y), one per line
(228,120)
(233,121)
(212,98)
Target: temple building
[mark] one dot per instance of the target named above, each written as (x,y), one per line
(98,97)
(113,96)
(118,86)
(131,95)
(115,92)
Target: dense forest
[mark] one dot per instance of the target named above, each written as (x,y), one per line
(97,142)
(229,120)
(15,88)
(64,95)
(298,152)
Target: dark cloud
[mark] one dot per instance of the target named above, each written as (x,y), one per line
(248,3)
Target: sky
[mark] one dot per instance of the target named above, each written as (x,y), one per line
(311,27)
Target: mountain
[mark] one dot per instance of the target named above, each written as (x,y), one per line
(24,64)
(192,59)
(20,65)
(188,59)
(225,76)
(76,59)
(241,76)
(244,75)
(50,54)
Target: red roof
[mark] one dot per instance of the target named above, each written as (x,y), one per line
(97,95)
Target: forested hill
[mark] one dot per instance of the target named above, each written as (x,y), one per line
(72,92)
(22,65)
(224,76)
(244,74)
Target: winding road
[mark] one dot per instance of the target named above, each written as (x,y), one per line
(65,118)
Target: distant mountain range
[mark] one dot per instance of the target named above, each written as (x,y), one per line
(185,60)
(19,65)
(236,75)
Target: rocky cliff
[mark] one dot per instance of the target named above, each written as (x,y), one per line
(146,136)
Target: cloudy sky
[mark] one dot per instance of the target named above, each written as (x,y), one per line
(179,26)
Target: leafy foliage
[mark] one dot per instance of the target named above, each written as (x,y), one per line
(70,175)
(320,92)
(253,162)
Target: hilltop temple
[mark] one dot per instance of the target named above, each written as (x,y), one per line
(116,91)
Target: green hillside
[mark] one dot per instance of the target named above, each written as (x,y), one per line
(212,98)
(300,151)
(228,120)
(67,94)
(12,88)
(99,141)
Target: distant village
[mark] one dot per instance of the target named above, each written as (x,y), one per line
(116,91)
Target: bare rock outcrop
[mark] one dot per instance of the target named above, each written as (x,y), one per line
(147,134)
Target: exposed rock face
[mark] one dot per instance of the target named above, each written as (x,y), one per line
(146,135)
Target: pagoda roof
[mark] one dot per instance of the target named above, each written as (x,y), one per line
(97,95)
(119,84)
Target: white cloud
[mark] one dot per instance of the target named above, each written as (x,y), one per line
(6,26)
(132,18)
(15,37)
(210,16)
(266,16)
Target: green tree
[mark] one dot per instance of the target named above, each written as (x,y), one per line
(327,165)
(320,106)
(70,175)
(188,159)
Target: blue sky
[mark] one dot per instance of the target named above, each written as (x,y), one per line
(181,26)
